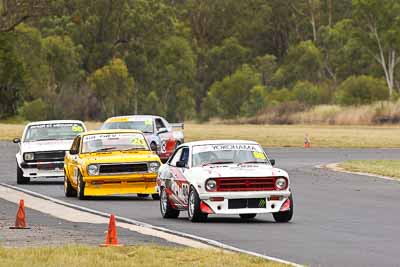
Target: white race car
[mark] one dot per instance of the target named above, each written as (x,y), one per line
(223,177)
(42,148)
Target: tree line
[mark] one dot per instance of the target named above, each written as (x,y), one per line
(193,59)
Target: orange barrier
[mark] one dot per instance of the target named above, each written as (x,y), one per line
(111,236)
(307,142)
(20,221)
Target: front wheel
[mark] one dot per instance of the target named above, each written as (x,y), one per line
(155,196)
(21,179)
(284,216)
(194,212)
(81,187)
(142,195)
(69,191)
(167,211)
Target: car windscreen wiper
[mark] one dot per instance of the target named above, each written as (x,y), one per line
(134,149)
(217,162)
(104,149)
(252,161)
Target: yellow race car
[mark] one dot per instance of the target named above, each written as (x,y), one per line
(110,162)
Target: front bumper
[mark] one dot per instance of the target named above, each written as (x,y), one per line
(273,201)
(52,169)
(121,185)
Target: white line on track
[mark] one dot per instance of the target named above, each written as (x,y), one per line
(81,214)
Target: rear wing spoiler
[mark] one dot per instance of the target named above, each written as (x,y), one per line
(178,125)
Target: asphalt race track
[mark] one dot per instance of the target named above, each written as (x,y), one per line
(339,220)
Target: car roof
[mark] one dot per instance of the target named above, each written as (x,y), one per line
(217,142)
(133,116)
(54,121)
(109,132)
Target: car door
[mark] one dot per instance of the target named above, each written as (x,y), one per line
(164,137)
(176,184)
(71,160)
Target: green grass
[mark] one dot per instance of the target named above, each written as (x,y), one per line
(389,168)
(125,256)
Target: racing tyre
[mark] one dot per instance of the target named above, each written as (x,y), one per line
(284,216)
(194,212)
(167,211)
(20,177)
(248,216)
(81,188)
(69,191)
(155,196)
(142,195)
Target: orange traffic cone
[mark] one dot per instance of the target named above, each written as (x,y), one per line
(111,235)
(307,142)
(20,222)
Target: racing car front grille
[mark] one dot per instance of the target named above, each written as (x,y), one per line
(245,184)
(125,168)
(48,156)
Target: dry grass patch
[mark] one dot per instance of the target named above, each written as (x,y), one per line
(390,168)
(125,256)
(293,135)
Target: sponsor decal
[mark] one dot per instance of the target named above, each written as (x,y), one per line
(53,125)
(262,203)
(112,136)
(259,155)
(163,147)
(222,147)
(77,128)
(139,141)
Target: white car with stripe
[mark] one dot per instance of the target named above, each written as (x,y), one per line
(42,148)
(223,177)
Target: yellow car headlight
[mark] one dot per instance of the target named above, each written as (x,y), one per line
(154,166)
(93,169)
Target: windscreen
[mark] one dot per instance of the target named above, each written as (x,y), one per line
(228,153)
(144,125)
(53,131)
(113,142)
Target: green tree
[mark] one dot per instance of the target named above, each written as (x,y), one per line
(175,69)
(234,90)
(378,29)
(357,90)
(113,87)
(12,81)
(303,62)
(256,101)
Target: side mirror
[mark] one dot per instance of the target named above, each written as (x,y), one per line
(162,130)
(153,147)
(272,161)
(181,164)
(16,140)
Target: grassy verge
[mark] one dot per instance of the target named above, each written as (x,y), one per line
(274,135)
(389,168)
(125,256)
(293,135)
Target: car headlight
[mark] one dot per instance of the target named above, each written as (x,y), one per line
(29,156)
(154,166)
(93,169)
(211,185)
(281,183)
